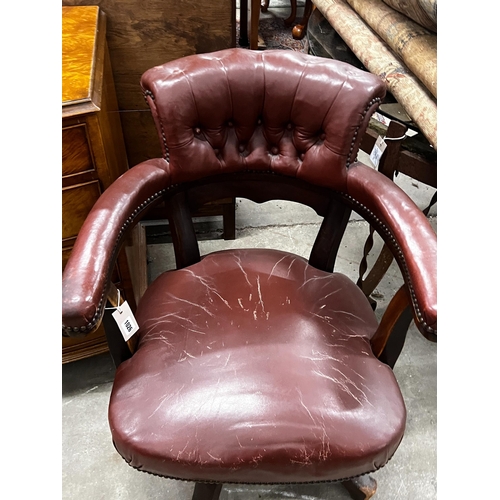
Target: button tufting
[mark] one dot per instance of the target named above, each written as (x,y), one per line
(274,150)
(197,130)
(241,148)
(229,124)
(302,156)
(322,136)
(289,126)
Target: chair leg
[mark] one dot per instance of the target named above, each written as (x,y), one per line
(396,341)
(207,491)
(254,24)
(293,14)
(243,41)
(361,488)
(229,220)
(300,29)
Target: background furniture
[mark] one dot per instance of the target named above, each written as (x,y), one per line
(394,47)
(141,37)
(93,150)
(252,27)
(257,366)
(385,38)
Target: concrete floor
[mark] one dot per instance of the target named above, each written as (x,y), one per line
(92,469)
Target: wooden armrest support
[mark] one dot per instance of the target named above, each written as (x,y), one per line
(394,310)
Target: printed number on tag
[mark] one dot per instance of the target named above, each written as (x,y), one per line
(377,151)
(125,320)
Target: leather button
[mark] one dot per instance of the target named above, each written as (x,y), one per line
(274,150)
(229,124)
(197,130)
(302,156)
(241,148)
(259,121)
(322,137)
(289,126)
(216,151)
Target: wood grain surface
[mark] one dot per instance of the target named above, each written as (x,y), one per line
(76,155)
(93,150)
(78,46)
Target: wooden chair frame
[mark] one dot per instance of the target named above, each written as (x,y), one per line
(259,187)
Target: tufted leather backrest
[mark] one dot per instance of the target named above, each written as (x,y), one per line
(280,111)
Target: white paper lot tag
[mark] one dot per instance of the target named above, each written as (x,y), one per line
(125,320)
(377,151)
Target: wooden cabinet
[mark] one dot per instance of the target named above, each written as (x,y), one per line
(93,149)
(141,37)
(145,34)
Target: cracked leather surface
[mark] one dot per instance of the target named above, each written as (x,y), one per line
(253,366)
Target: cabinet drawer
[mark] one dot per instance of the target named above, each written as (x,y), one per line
(76,204)
(76,155)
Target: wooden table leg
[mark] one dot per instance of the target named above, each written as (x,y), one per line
(299,30)
(243,41)
(254,24)
(291,18)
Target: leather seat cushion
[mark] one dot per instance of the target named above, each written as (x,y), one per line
(253,366)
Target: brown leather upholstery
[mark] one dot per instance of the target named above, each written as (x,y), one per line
(258,119)
(85,278)
(411,231)
(253,366)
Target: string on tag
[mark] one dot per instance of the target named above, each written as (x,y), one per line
(395,138)
(118,307)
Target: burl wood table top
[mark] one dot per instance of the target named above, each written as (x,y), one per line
(80,27)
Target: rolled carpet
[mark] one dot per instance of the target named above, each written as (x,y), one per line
(423,12)
(416,45)
(378,58)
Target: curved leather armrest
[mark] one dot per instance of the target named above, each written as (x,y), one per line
(85,277)
(408,233)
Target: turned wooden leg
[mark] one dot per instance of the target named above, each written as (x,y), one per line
(299,30)
(361,488)
(289,20)
(206,491)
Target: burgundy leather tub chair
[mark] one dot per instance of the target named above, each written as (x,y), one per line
(256,366)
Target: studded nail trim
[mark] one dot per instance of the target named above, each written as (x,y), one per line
(148,93)
(374,102)
(398,254)
(100,307)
